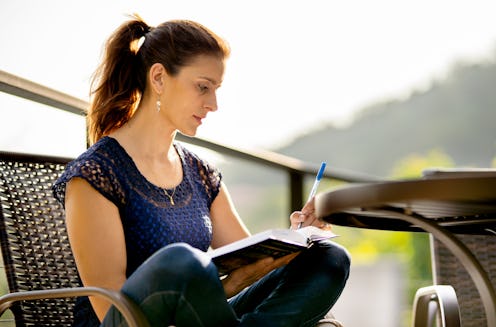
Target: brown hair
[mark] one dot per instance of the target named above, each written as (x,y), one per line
(120,80)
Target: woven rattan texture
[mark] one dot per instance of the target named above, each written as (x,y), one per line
(450,271)
(34,241)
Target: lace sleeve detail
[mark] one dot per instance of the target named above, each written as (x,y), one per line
(209,177)
(98,172)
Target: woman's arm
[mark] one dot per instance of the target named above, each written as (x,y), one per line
(97,240)
(227,226)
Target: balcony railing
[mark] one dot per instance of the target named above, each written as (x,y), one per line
(296,169)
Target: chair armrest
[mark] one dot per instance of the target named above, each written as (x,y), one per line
(446,302)
(129,310)
(328,321)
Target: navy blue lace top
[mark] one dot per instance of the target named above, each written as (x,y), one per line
(149,219)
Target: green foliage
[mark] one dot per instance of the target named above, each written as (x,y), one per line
(412,165)
(366,246)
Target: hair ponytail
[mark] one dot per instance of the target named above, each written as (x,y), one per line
(118,82)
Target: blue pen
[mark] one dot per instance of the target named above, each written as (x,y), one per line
(313,191)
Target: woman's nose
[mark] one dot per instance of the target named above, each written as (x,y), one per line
(211,104)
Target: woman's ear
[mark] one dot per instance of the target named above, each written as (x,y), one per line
(157,77)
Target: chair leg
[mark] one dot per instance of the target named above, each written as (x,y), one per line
(436,299)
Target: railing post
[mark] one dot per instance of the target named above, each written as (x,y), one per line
(296,190)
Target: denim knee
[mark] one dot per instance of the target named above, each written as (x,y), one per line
(173,266)
(179,285)
(333,257)
(325,264)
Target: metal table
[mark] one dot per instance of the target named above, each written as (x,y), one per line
(442,203)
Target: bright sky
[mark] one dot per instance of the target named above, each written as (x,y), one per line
(295,65)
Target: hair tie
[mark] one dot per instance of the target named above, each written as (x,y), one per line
(139,43)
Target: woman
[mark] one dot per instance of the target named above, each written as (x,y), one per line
(141,209)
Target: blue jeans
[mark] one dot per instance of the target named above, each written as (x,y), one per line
(179,286)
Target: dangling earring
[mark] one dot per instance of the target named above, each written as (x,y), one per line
(158,105)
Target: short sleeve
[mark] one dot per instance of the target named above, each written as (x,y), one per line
(209,177)
(100,173)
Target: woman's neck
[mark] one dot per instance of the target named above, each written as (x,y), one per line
(146,136)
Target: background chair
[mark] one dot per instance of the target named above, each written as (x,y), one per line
(448,270)
(41,273)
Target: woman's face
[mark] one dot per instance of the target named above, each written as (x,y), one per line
(190,95)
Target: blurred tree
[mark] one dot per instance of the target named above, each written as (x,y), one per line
(412,165)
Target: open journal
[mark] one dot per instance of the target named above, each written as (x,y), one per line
(274,242)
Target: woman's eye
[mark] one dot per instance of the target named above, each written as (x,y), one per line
(203,88)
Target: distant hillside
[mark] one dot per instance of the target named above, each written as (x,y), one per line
(456,115)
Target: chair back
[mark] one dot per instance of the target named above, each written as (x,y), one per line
(34,241)
(448,270)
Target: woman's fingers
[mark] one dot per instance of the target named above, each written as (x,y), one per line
(296,218)
(307,217)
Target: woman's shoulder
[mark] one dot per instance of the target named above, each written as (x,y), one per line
(192,159)
(103,149)
(104,154)
(100,165)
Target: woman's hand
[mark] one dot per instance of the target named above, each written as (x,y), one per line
(242,277)
(307,217)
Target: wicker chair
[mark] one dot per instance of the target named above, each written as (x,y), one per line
(41,273)
(448,270)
